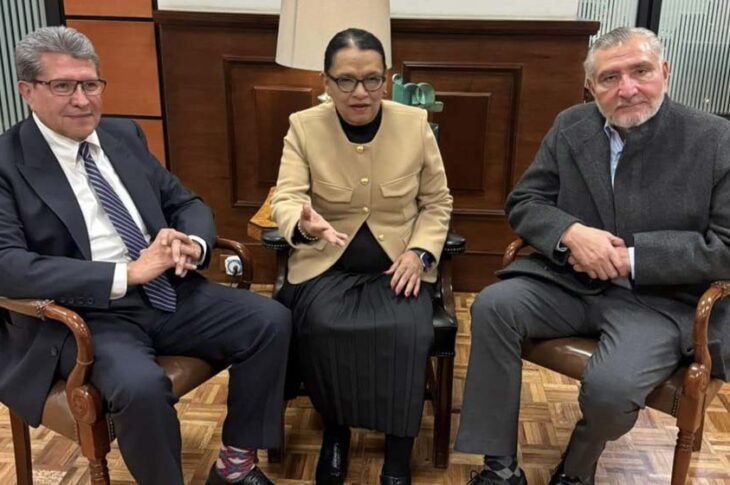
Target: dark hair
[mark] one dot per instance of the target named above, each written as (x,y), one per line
(362,39)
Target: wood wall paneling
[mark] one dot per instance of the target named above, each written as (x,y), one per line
(503,82)
(481,100)
(108,8)
(128,62)
(199,108)
(260,97)
(155,137)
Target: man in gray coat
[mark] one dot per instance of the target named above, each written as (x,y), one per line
(627,204)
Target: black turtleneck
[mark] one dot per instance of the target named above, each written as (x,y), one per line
(361,133)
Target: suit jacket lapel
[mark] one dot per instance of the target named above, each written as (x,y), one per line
(138,186)
(591,152)
(42,171)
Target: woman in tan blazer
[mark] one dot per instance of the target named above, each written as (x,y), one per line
(362,198)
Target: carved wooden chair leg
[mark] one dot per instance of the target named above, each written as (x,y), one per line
(21,445)
(94,441)
(682,457)
(689,419)
(94,435)
(697,443)
(442,411)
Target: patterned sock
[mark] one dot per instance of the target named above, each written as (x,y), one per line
(233,464)
(504,467)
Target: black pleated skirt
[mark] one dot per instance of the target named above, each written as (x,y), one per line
(360,350)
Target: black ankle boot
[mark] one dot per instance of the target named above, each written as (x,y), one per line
(386,480)
(560,478)
(332,464)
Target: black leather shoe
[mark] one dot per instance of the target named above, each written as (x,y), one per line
(254,477)
(485,478)
(387,480)
(332,463)
(560,478)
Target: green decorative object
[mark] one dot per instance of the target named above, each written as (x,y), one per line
(421,95)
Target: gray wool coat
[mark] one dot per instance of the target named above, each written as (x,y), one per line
(670,200)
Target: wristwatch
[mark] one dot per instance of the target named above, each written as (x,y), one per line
(424,256)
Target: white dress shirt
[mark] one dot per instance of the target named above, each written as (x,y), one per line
(106,244)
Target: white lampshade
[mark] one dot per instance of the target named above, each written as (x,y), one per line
(306,26)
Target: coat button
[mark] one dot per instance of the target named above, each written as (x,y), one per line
(364,180)
(54,351)
(365,210)
(381,237)
(89,301)
(360,149)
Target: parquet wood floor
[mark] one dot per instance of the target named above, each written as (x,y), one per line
(549,410)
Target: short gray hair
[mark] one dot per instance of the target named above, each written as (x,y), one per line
(61,40)
(620,36)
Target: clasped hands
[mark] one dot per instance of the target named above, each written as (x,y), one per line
(596,252)
(406,269)
(170,249)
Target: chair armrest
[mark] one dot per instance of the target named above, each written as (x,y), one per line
(83,399)
(272,239)
(454,244)
(244,279)
(511,252)
(716,292)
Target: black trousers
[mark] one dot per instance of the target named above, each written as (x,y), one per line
(224,326)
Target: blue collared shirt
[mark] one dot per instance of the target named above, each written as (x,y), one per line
(617,146)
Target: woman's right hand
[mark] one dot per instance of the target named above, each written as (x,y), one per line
(315,225)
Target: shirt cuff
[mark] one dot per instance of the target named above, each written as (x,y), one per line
(119,283)
(632,262)
(203,246)
(561,247)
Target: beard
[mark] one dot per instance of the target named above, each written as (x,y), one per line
(633,118)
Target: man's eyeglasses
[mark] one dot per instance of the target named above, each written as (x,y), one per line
(348,84)
(66,87)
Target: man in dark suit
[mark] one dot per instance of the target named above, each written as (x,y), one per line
(627,204)
(90,219)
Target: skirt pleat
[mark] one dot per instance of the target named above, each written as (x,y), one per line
(360,350)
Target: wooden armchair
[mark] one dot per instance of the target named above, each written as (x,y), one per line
(74,407)
(685,395)
(441,369)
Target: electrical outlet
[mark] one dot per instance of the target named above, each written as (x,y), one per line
(233,266)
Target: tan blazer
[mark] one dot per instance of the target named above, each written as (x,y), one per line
(396,183)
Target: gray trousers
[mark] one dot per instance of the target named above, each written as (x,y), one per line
(638,348)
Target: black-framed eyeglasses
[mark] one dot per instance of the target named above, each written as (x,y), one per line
(66,87)
(348,84)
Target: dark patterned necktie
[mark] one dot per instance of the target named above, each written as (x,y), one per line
(159,291)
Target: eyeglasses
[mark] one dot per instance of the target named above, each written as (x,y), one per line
(348,84)
(66,87)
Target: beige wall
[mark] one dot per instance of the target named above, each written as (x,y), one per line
(465,9)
